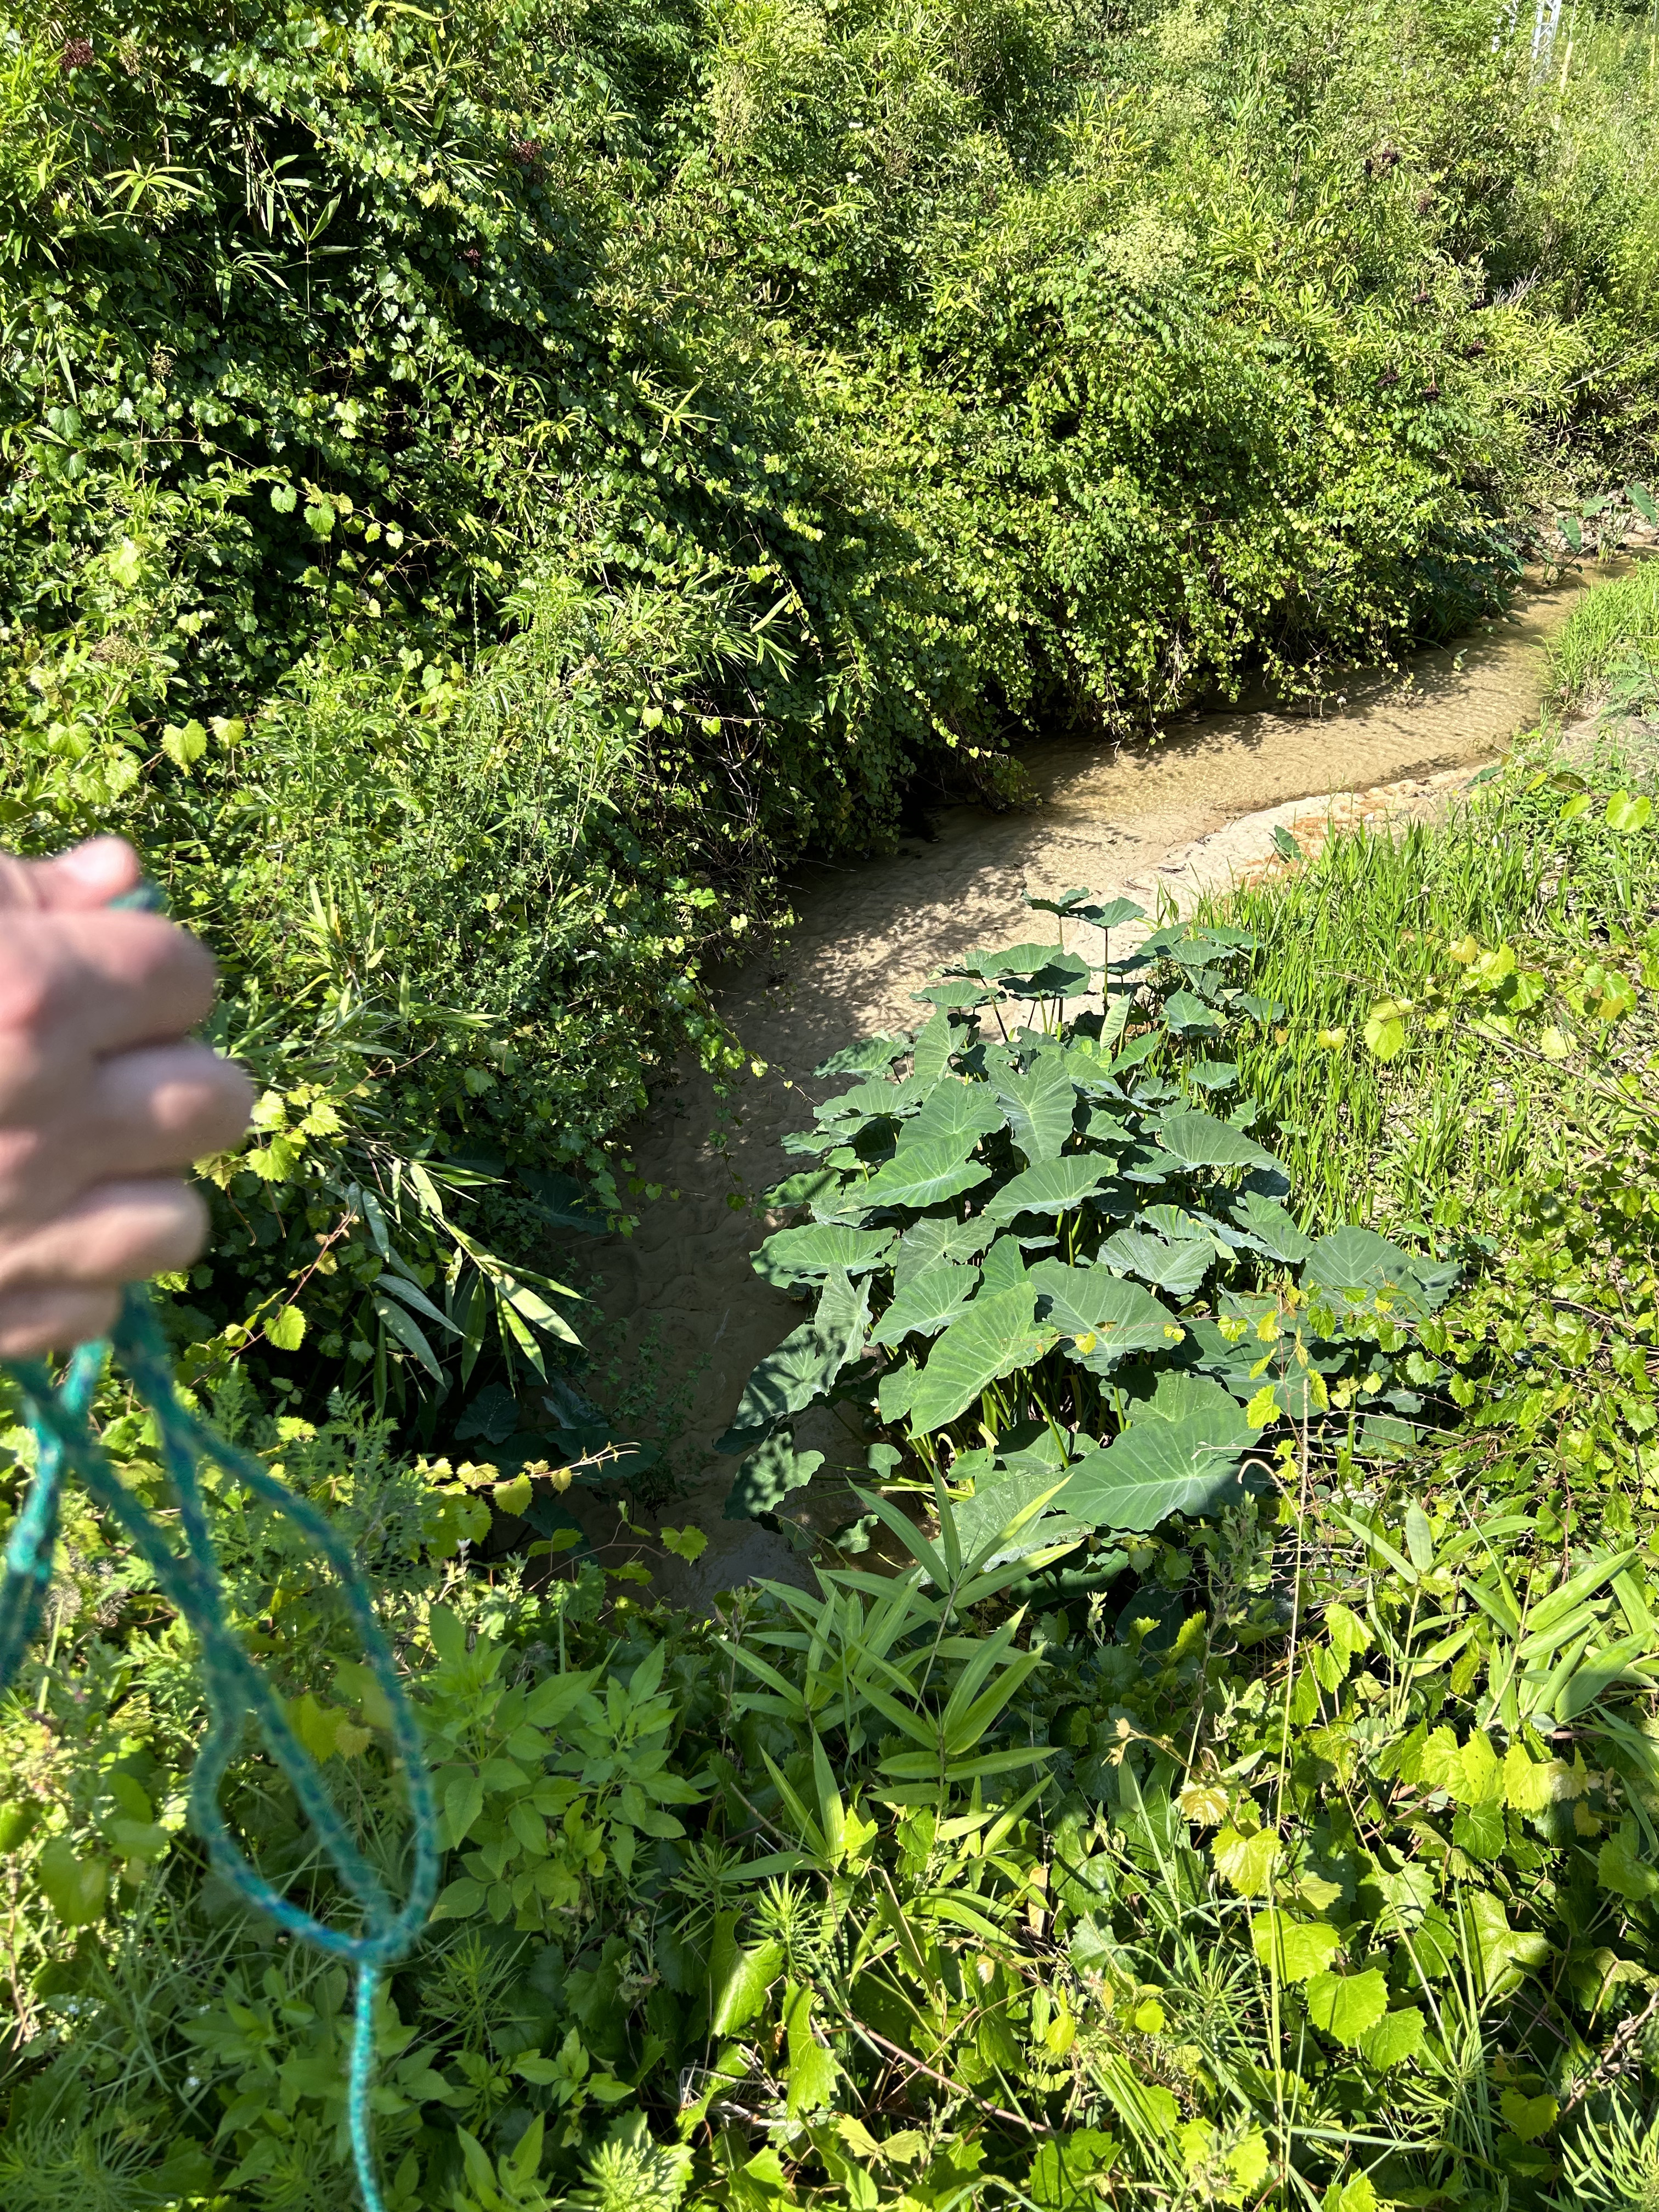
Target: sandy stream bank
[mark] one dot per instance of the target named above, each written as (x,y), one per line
(1194,813)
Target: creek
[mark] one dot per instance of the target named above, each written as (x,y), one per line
(1189,812)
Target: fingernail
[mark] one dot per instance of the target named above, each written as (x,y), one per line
(100,860)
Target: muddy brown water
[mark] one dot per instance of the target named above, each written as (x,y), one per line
(1191,811)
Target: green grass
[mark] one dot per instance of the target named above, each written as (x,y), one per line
(1610,628)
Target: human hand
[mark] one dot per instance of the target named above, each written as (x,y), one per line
(104,1102)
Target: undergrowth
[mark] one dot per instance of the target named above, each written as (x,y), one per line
(486,490)
(1289,1842)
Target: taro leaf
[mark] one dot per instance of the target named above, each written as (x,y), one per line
(1180,1227)
(809,1254)
(1084,906)
(1104,1122)
(1175,1396)
(1113,916)
(1159,1468)
(1003,1265)
(803,1367)
(927,1303)
(896,1389)
(1270,1229)
(1259,1010)
(935,1043)
(1177,1268)
(1041,1104)
(928,1242)
(1137,1049)
(996,1335)
(1011,960)
(866,1058)
(1000,1496)
(1067,902)
(768,1476)
(1062,975)
(1089,1303)
(1186,1015)
(954,1108)
(1351,1259)
(1213,1074)
(1199,1140)
(806,1188)
(493,1415)
(956,991)
(871,1102)
(921,1175)
(1054,1188)
(1142,1165)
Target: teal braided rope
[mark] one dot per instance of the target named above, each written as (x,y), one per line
(59,1415)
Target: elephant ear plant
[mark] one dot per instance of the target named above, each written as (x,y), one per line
(1043,1246)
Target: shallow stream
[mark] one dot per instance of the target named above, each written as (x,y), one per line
(1191,812)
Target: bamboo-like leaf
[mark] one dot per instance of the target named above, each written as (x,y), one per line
(408,1332)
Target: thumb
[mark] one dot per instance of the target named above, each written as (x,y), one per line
(87,876)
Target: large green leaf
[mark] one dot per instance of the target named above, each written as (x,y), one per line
(1110,1317)
(1186,1015)
(1199,1140)
(996,1335)
(820,1250)
(1271,1228)
(864,1058)
(955,1109)
(1040,1106)
(1159,1468)
(804,1365)
(1054,1187)
(1347,2006)
(870,1101)
(935,1043)
(936,1237)
(1359,1262)
(928,1302)
(1176,1396)
(920,1176)
(768,1475)
(1178,1268)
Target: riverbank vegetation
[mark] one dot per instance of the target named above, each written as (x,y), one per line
(1230,1781)
(486,490)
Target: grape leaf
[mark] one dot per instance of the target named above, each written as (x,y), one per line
(1346,2005)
